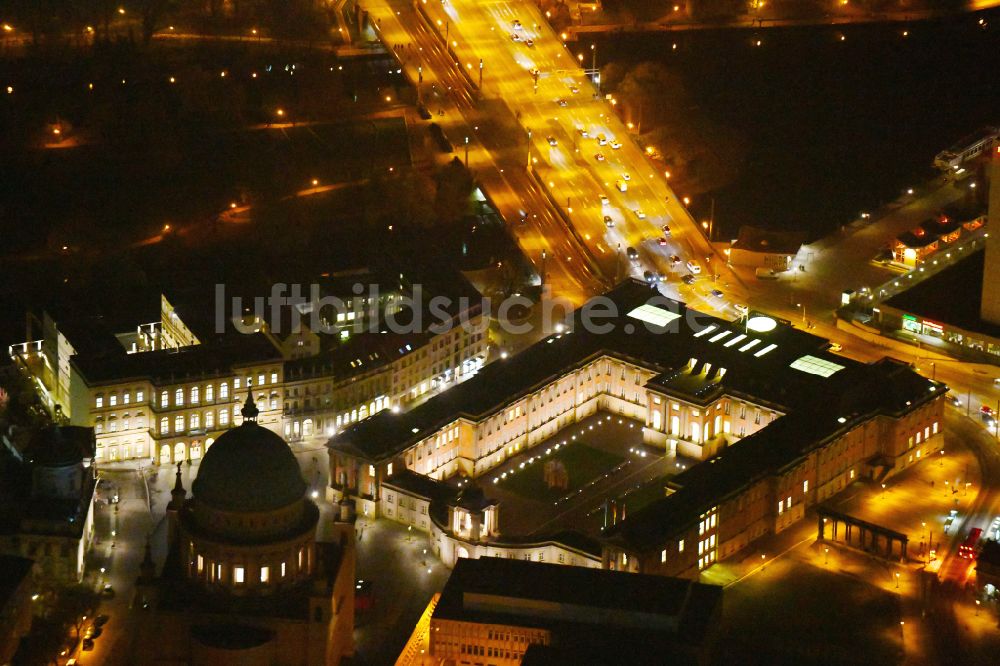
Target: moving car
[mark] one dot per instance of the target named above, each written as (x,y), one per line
(582,132)
(602,140)
(529,42)
(574,89)
(688,279)
(604,200)
(632,253)
(515,37)
(661,240)
(716,293)
(693,267)
(599,157)
(562,102)
(666,230)
(615,144)
(742,309)
(650,278)
(517,25)
(621,185)
(608,221)
(674,260)
(626,176)
(552,141)
(639,214)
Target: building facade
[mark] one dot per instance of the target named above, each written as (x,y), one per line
(703,388)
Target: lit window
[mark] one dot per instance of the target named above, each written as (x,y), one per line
(680,546)
(224,390)
(788,502)
(260,380)
(236,383)
(179,397)
(164,425)
(209,393)
(265,574)
(195,421)
(195,395)
(663,555)
(238,575)
(139,395)
(283,565)
(274,377)
(388,469)
(223,417)
(301,553)
(99,401)
(126,397)
(164,399)
(201,564)
(935,428)
(371,470)
(113,400)
(805,486)
(178,423)
(209,420)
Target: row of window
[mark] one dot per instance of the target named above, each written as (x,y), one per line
(240,575)
(192,395)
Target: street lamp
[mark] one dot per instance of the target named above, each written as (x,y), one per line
(897,580)
(826,555)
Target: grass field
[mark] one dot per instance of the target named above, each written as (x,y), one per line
(583,463)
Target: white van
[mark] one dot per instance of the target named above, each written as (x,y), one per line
(693,267)
(621,185)
(602,140)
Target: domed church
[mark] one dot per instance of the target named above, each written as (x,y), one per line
(244,580)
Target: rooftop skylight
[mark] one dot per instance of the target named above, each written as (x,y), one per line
(816,366)
(653,315)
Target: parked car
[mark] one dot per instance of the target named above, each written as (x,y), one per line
(716,293)
(604,200)
(599,157)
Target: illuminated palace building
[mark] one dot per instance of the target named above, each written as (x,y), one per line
(783,422)
(164,391)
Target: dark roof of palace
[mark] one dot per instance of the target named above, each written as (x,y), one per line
(592,592)
(167,366)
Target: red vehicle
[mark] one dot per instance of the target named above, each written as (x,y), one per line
(968,548)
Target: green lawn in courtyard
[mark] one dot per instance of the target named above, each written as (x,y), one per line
(583,464)
(644,495)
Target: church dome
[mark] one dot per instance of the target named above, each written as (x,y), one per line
(249,469)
